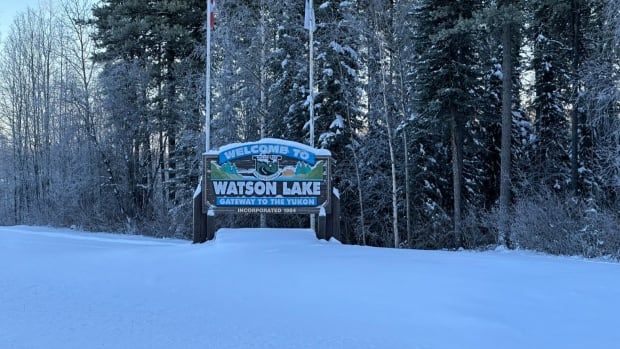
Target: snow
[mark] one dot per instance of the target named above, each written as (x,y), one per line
(257,288)
(337,123)
(336,47)
(198,189)
(326,137)
(498,74)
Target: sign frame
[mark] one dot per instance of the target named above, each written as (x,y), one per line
(281,152)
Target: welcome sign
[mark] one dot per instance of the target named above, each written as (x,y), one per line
(268,176)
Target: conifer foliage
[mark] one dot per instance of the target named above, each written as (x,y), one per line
(102,113)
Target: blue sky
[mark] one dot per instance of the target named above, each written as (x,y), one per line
(8,10)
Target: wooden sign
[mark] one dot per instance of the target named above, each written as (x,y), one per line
(268,176)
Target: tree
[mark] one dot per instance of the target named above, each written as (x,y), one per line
(600,100)
(447,87)
(550,154)
(507,69)
(156,41)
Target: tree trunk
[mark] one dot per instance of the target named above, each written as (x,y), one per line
(394,184)
(574,118)
(457,173)
(505,186)
(359,194)
(392,161)
(389,134)
(407,191)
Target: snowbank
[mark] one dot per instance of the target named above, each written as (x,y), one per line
(285,289)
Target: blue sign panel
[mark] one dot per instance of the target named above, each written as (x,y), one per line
(251,149)
(267,174)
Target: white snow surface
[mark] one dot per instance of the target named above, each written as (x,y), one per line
(260,288)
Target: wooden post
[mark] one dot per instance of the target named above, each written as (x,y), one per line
(329,223)
(321,234)
(200,220)
(335,216)
(210,225)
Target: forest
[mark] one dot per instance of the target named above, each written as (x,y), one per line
(453,123)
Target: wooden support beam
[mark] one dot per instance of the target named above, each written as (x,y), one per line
(322,227)
(210,225)
(335,216)
(200,221)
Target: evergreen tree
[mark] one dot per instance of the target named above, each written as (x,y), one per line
(551,161)
(339,110)
(338,63)
(447,90)
(600,102)
(288,62)
(158,39)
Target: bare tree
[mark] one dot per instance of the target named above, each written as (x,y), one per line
(389,130)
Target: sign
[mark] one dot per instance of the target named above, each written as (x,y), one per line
(268,176)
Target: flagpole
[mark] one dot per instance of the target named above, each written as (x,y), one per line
(311,64)
(311,27)
(208,82)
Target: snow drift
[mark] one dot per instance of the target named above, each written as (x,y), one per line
(253,288)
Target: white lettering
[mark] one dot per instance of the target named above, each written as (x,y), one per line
(220,187)
(259,188)
(249,188)
(229,154)
(232,190)
(301,188)
(296,189)
(306,188)
(240,187)
(271,188)
(316,188)
(300,201)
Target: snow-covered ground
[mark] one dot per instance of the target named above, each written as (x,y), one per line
(284,289)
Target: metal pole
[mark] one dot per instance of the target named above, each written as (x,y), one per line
(311,72)
(208,82)
(263,216)
(311,47)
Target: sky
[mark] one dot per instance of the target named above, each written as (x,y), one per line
(10,8)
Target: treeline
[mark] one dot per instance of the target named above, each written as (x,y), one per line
(102,109)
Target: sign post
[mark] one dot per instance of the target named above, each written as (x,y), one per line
(269,176)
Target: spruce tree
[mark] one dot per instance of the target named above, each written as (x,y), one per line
(288,62)
(448,91)
(551,160)
(157,38)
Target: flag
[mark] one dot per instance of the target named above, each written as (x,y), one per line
(212,14)
(309,21)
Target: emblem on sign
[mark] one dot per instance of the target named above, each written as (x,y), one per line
(267,167)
